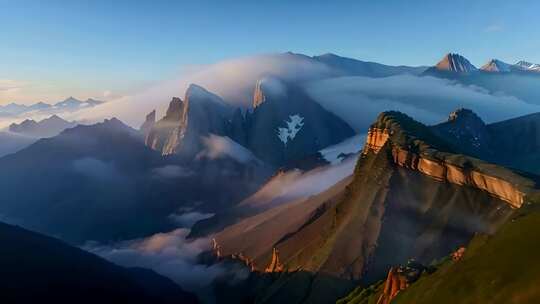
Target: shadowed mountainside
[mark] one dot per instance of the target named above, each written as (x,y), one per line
(39,267)
(411,196)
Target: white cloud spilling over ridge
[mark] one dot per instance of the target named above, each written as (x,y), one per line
(217,147)
(290,185)
(188,219)
(234,80)
(358,100)
(349,146)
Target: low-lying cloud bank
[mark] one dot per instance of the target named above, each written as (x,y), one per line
(169,254)
(359,100)
(216,147)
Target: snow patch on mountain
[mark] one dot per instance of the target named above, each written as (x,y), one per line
(294,125)
(524,65)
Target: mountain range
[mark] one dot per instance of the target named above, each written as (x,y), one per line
(70,104)
(412,195)
(455,63)
(47,127)
(284,123)
(284,199)
(36,266)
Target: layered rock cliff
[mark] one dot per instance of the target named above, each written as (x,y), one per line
(416,154)
(412,195)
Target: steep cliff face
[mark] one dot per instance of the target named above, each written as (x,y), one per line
(186,122)
(283,126)
(163,136)
(452,64)
(148,124)
(286,124)
(412,196)
(497,181)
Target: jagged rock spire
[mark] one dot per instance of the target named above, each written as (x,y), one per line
(275,264)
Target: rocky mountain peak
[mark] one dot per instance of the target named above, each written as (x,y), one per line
(528,66)
(148,124)
(455,63)
(196,92)
(174,112)
(54,118)
(495,65)
(464,115)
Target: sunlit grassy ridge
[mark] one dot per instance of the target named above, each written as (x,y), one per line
(504,268)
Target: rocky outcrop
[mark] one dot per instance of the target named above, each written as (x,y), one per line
(375,140)
(395,282)
(458,254)
(258,95)
(446,167)
(148,124)
(398,279)
(455,63)
(495,66)
(186,122)
(275,264)
(467,133)
(164,135)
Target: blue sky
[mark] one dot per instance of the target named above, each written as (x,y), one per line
(85,48)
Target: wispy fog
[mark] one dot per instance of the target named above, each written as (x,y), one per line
(95,168)
(216,147)
(359,100)
(188,219)
(171,171)
(294,184)
(234,80)
(169,254)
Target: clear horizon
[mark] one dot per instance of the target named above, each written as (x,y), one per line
(102,50)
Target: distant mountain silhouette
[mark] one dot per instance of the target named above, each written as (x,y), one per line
(39,268)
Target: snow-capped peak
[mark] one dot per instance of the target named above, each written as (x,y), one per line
(528,66)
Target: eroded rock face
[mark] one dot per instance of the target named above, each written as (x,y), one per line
(275,264)
(187,121)
(148,124)
(395,282)
(164,135)
(444,171)
(286,124)
(398,279)
(458,254)
(375,139)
